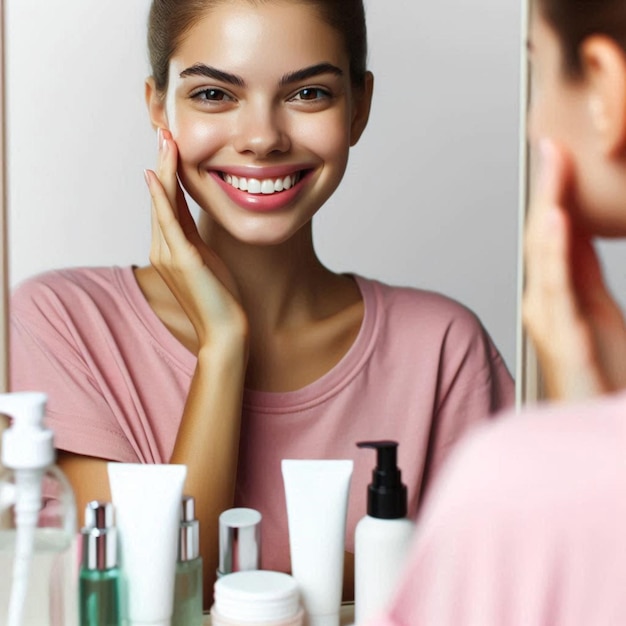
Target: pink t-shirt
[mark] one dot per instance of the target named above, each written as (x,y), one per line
(421,371)
(526,526)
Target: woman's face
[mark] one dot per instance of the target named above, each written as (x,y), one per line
(561,108)
(261,107)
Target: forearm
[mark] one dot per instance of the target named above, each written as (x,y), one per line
(208,443)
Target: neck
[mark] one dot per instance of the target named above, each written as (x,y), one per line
(280,285)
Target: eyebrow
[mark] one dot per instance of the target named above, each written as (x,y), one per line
(200,69)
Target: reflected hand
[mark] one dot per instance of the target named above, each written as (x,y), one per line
(196,276)
(575,324)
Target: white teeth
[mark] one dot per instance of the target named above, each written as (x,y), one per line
(254,185)
(265,186)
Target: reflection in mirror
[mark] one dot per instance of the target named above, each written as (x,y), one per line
(428,201)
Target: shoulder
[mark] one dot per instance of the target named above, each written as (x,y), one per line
(420,309)
(552,447)
(66,286)
(73,298)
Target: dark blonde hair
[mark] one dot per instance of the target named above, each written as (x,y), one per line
(170,20)
(575,20)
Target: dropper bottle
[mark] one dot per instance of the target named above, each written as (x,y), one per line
(188,582)
(383,536)
(99,582)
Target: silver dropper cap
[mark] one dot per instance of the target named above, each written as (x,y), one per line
(99,536)
(189,532)
(240,541)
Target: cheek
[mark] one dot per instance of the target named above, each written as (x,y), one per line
(325,135)
(197,139)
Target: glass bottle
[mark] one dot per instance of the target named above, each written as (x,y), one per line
(99,585)
(188,584)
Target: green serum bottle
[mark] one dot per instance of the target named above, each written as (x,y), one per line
(99,581)
(188,585)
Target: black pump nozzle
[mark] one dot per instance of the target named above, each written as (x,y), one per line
(386,495)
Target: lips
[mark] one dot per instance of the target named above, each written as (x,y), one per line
(266,186)
(273,189)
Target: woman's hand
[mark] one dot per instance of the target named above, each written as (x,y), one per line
(575,324)
(198,279)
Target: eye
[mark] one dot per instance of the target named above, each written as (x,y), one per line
(311,94)
(211,95)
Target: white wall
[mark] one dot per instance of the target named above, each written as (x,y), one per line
(430,197)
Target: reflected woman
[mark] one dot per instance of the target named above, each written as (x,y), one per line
(236,347)
(526,525)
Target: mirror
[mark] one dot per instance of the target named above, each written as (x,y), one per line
(430,198)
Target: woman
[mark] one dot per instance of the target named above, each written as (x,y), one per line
(236,347)
(526,526)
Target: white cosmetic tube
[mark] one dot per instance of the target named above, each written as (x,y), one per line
(317,503)
(147,509)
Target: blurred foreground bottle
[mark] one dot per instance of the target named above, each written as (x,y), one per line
(38,560)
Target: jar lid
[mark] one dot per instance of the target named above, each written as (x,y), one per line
(257,595)
(239,540)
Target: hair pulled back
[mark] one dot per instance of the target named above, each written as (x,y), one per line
(575,20)
(170,20)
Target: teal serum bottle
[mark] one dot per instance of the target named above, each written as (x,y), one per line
(188,584)
(99,583)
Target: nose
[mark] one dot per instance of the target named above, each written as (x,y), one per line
(260,130)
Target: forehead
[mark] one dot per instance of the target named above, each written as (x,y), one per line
(269,37)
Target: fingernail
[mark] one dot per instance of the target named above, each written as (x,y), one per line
(159,138)
(146,177)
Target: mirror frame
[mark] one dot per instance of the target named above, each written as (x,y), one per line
(4,282)
(528,385)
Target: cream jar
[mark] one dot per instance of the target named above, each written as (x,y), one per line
(257,598)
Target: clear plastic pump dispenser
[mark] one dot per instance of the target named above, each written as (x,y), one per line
(37,522)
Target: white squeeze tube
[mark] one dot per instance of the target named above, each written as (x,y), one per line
(147,504)
(317,503)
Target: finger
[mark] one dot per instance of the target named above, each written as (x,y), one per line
(166,228)
(185,218)
(167,166)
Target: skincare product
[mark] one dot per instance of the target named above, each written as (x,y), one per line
(256,598)
(240,541)
(99,583)
(188,583)
(38,560)
(147,506)
(317,503)
(383,536)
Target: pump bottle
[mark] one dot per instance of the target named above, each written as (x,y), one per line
(382,537)
(37,522)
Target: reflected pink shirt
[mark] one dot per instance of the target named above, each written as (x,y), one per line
(525,527)
(422,371)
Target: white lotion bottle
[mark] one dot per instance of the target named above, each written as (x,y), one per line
(383,537)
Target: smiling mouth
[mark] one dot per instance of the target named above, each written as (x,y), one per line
(265,186)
